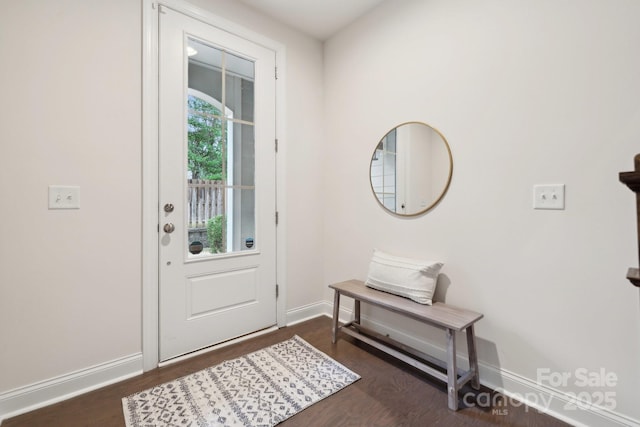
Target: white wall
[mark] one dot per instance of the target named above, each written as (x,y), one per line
(70,113)
(526,92)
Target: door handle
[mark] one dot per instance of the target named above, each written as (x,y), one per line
(169,227)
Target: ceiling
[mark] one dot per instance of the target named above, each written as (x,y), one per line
(318,18)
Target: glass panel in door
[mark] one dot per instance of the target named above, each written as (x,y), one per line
(220,186)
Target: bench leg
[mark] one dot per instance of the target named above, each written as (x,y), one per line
(473,357)
(452,370)
(336,313)
(356,307)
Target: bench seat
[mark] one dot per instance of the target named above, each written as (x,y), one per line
(444,316)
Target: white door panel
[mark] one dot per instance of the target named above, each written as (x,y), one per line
(216,185)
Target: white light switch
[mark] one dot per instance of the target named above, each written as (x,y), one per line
(64,197)
(548,196)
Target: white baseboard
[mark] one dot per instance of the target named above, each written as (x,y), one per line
(54,390)
(306,312)
(518,389)
(28,398)
(556,403)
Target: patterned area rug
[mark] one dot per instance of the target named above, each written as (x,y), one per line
(260,389)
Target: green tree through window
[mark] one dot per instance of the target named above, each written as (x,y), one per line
(206,140)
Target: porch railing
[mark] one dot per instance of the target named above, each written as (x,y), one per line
(205,200)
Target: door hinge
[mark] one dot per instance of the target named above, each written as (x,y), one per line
(277,219)
(276,145)
(277,290)
(276,72)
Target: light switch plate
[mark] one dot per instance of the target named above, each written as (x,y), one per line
(64,197)
(550,196)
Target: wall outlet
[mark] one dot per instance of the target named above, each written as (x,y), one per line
(64,197)
(548,196)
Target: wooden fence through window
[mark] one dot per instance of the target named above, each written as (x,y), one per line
(205,200)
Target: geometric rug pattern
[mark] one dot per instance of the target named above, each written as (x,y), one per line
(262,388)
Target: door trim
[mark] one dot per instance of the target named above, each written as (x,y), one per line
(150,150)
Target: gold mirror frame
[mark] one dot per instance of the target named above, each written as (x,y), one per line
(389,147)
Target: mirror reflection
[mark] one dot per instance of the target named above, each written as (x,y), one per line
(411,169)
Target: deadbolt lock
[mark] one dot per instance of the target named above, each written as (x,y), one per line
(168,207)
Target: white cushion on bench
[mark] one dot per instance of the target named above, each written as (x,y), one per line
(410,278)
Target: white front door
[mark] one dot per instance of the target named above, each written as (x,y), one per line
(216,185)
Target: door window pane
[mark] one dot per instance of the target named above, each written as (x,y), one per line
(220,152)
(239,78)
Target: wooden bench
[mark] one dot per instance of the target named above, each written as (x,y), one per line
(443,316)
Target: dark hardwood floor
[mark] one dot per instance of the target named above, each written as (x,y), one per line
(390,393)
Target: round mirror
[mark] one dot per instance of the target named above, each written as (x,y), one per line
(411,169)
